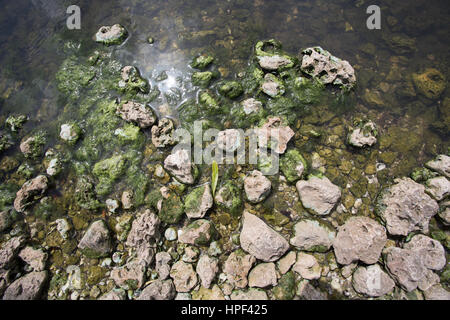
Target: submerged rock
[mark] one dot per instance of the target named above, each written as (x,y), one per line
(184,276)
(272,86)
(258,239)
(96,242)
(251,106)
(137,113)
(441,164)
(202,62)
(27,287)
(231,89)
(180,166)
(163,133)
(198,202)
(270,56)
(360,238)
(70,132)
(372,281)
(257,187)
(111,35)
(31,191)
(431,83)
(237,266)
(364,135)
(320,63)
(229,198)
(16,123)
(293,165)
(199,232)
(406,207)
(132,81)
(318,194)
(230,140)
(312,235)
(33,147)
(274,135)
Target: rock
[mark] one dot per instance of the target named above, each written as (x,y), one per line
(180,166)
(293,165)
(158,290)
(231,89)
(33,147)
(112,205)
(318,195)
(250,294)
(251,106)
(111,35)
(199,232)
(96,242)
(9,251)
(263,275)
(16,123)
(129,277)
(311,235)
(437,292)
(319,63)
(208,294)
(27,287)
(184,276)
(307,266)
(54,167)
(372,281)
(132,81)
(444,215)
(31,191)
(171,234)
(127,199)
(191,254)
(144,235)
(114,295)
(162,260)
(35,258)
(63,227)
(207,269)
(261,241)
(406,207)
(237,266)
(70,133)
(431,83)
(202,61)
(230,140)
(229,199)
(270,56)
(272,86)
(163,133)
(360,238)
(431,251)
(438,188)
(273,63)
(429,279)
(198,202)
(5,220)
(365,135)
(285,263)
(307,292)
(137,113)
(274,135)
(257,187)
(441,164)
(285,290)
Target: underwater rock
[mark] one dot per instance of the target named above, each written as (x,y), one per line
(180,166)
(229,140)
(96,242)
(158,290)
(318,194)
(16,123)
(272,86)
(307,266)
(198,202)
(6,141)
(312,235)
(112,205)
(202,79)
(231,89)
(137,113)
(275,135)
(263,275)
(406,207)
(27,287)
(306,291)
(273,63)
(163,133)
(70,132)
(54,167)
(372,281)
(438,188)
(273,59)
(257,187)
(250,294)
(184,276)
(320,63)
(85,194)
(199,232)
(111,35)
(285,290)
(431,251)
(293,165)
(251,106)
(162,260)
(229,198)
(132,81)
(127,199)
(237,266)
(168,204)
(33,147)
(202,62)
(10,250)
(207,269)
(260,240)
(431,83)
(441,164)
(31,191)
(35,258)
(360,238)
(364,135)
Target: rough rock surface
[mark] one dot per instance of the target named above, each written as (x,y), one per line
(184,276)
(306,291)
(285,263)
(307,266)
(28,287)
(163,133)
(438,188)
(364,136)
(372,281)
(5,220)
(180,166)
(35,258)
(108,35)
(207,269)
(406,207)
(431,251)
(31,190)
(263,275)
(272,86)
(200,232)
(158,290)
(251,106)
(198,202)
(113,295)
(162,260)
(250,294)
(261,241)
(360,238)
(437,292)
(318,194)
(441,164)
(130,276)
(69,132)
(311,235)
(237,266)
(230,140)
(257,187)
(273,63)
(137,113)
(96,242)
(274,134)
(9,251)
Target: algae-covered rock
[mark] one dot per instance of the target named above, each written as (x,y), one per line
(132,81)
(293,165)
(431,83)
(108,171)
(96,242)
(137,113)
(16,123)
(202,79)
(73,76)
(231,89)
(6,141)
(168,204)
(229,198)
(130,134)
(207,100)
(285,290)
(202,62)
(33,146)
(198,202)
(111,35)
(70,132)
(270,56)
(85,194)
(272,86)
(199,232)
(365,134)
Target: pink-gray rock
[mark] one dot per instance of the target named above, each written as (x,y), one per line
(207,269)
(114,34)
(158,290)
(237,266)
(31,191)
(200,232)
(285,263)
(130,276)
(35,258)
(230,140)
(441,164)
(263,275)
(162,260)
(251,106)
(96,242)
(307,266)
(273,62)
(372,281)
(179,165)
(114,295)
(27,287)
(306,291)
(138,113)
(257,187)
(250,294)
(360,238)
(260,240)
(184,276)
(9,251)
(431,251)
(163,133)
(318,195)
(364,136)
(438,188)
(311,235)
(275,135)
(406,207)
(437,292)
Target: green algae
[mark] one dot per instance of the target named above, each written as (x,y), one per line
(231,89)
(202,62)
(289,165)
(285,289)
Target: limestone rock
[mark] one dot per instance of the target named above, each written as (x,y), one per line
(257,187)
(184,276)
(198,202)
(35,258)
(180,166)
(311,235)
(438,188)
(158,290)
(307,266)
(263,275)
(318,194)
(31,191)
(372,281)
(431,251)
(110,35)
(163,133)
(441,164)
(237,266)
(137,113)
(27,287)
(275,135)
(199,232)
(207,269)
(96,242)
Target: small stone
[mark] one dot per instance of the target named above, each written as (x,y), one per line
(162,260)
(199,232)
(63,227)
(311,235)
(96,242)
(180,166)
(273,63)
(163,133)
(31,191)
(70,132)
(230,140)
(237,266)
(5,220)
(431,251)
(129,277)
(251,106)
(170,234)
(190,254)
(111,35)
(257,187)
(114,295)
(158,290)
(285,263)
(441,164)
(127,199)
(274,135)
(250,294)
(437,292)
(306,291)
(318,195)
(35,258)
(137,113)
(307,266)
(364,136)
(184,276)
(438,188)
(112,205)
(272,86)
(263,275)
(207,269)
(198,202)
(9,251)
(372,281)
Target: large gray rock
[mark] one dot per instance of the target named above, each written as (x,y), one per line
(31,191)
(9,251)
(438,188)
(263,275)
(431,251)
(437,292)
(35,258)
(406,207)
(237,266)
(311,235)
(372,281)
(360,238)
(96,242)
(180,166)
(184,276)
(28,287)
(441,164)
(207,269)
(158,290)
(260,240)
(137,113)
(257,187)
(318,195)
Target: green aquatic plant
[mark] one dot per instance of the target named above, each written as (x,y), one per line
(214,176)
